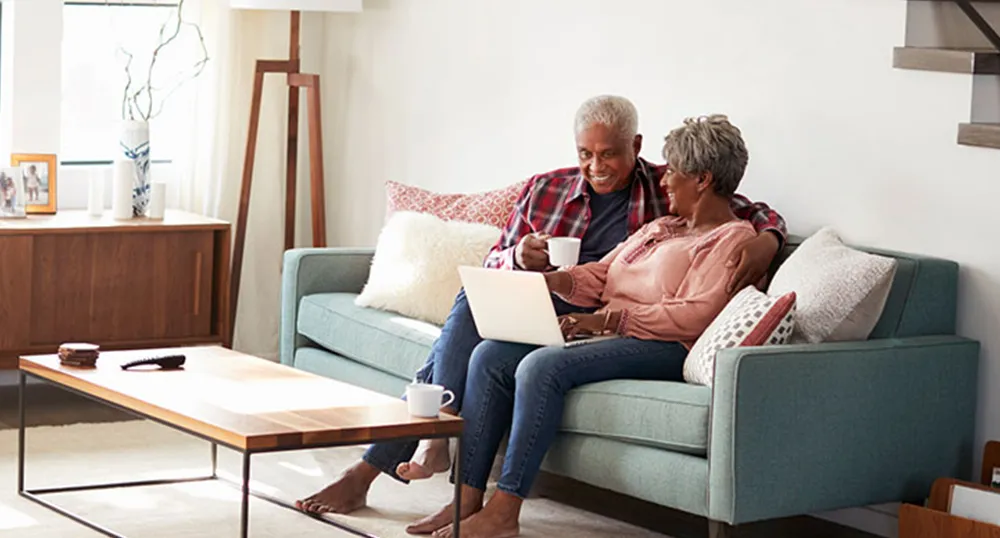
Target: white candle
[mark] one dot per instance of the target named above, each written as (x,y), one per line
(95,194)
(121,202)
(157,200)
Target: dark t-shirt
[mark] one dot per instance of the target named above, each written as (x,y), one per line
(608,224)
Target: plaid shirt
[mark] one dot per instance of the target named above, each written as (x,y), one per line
(557,203)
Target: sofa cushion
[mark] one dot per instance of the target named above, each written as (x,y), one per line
(655,413)
(492,207)
(665,414)
(923,298)
(322,361)
(751,318)
(383,340)
(840,291)
(415,268)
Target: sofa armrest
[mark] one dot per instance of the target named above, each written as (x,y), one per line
(317,270)
(799,429)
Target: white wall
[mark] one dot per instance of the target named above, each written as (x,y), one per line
(461,95)
(30,78)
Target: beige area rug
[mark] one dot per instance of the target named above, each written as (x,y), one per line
(138,450)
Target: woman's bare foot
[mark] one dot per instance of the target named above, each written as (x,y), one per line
(346,494)
(472,502)
(498,519)
(433,460)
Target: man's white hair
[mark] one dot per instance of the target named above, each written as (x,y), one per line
(615,112)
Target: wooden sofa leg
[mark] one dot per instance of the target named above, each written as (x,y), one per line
(718,529)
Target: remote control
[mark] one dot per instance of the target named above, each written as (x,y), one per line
(167,362)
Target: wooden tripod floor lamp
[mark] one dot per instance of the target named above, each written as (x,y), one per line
(297,80)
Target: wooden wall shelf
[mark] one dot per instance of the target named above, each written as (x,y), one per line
(957,50)
(983,135)
(965,61)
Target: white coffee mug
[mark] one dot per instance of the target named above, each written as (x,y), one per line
(424,399)
(564,251)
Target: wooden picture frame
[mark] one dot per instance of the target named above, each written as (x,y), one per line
(11,194)
(38,172)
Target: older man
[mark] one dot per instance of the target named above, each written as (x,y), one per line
(610,195)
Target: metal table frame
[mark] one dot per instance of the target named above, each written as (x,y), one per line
(243,485)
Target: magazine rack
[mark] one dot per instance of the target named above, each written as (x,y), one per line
(934,519)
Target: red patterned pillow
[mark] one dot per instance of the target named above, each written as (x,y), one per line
(493,207)
(751,318)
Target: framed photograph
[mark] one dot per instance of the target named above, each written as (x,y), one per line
(38,172)
(11,194)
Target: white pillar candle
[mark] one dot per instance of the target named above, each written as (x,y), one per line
(157,200)
(121,201)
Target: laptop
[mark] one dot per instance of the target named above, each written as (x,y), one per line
(515,306)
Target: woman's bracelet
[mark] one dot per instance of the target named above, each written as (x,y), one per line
(604,326)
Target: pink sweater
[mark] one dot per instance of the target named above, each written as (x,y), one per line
(668,283)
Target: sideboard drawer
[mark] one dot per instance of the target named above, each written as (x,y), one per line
(121,287)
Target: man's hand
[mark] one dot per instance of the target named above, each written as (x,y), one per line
(530,252)
(751,261)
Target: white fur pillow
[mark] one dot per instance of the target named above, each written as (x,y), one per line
(840,291)
(415,268)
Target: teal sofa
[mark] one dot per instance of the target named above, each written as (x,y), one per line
(786,430)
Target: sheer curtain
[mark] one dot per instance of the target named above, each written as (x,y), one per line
(208,169)
(201,167)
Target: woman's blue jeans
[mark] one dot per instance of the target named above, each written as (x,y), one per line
(523,388)
(447,365)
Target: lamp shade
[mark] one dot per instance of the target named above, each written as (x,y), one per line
(298,5)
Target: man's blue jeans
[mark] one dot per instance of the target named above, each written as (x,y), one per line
(523,387)
(447,365)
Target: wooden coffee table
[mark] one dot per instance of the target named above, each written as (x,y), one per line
(227,398)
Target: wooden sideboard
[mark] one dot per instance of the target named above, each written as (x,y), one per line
(138,283)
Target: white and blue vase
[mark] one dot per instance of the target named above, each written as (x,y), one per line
(133,142)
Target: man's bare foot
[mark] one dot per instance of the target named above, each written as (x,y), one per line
(498,519)
(472,502)
(433,460)
(346,494)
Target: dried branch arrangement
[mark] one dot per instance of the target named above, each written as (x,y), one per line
(144,101)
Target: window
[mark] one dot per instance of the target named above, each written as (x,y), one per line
(94,76)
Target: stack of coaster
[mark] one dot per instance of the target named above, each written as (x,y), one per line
(78,354)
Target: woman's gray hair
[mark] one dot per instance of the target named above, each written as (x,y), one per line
(617,113)
(709,144)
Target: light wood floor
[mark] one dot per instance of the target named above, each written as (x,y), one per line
(51,406)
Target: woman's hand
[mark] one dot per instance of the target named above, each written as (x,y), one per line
(559,282)
(573,325)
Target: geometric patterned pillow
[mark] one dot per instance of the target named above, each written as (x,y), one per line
(751,318)
(492,208)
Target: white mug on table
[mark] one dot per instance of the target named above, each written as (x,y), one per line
(563,251)
(424,399)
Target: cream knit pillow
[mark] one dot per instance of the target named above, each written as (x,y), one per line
(840,291)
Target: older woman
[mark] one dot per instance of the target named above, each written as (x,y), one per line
(659,290)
